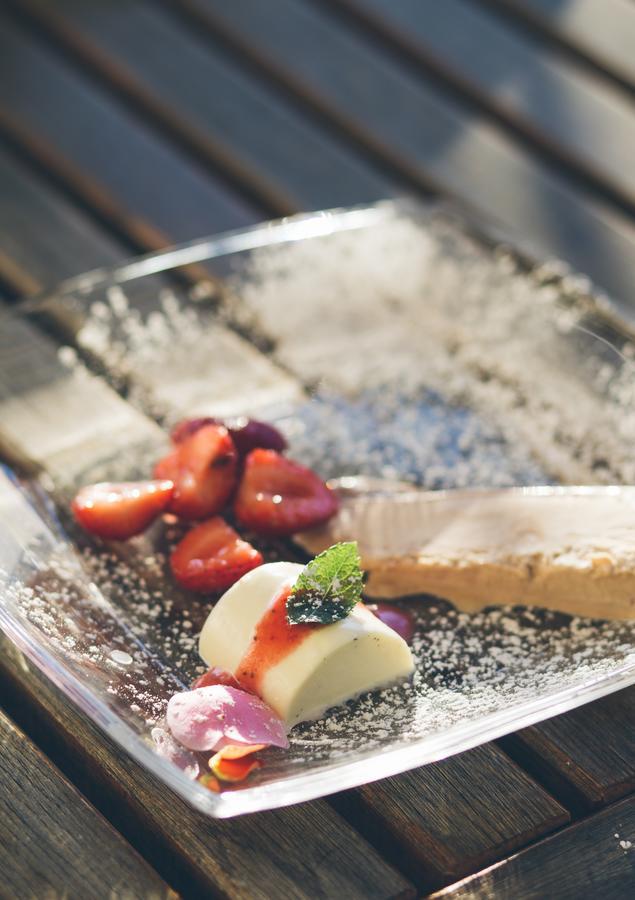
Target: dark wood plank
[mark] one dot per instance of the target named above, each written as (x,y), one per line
(165,70)
(566,112)
(583,862)
(586,757)
(425,132)
(55,844)
(304,851)
(42,235)
(137,176)
(58,417)
(455,816)
(601,32)
(45,237)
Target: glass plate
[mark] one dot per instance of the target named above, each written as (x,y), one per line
(397,341)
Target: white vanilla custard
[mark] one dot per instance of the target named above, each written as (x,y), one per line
(331,664)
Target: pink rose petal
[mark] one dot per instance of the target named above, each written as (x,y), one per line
(213,716)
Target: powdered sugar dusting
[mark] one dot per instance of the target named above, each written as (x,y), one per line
(417,303)
(468,666)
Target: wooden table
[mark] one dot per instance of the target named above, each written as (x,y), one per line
(126,126)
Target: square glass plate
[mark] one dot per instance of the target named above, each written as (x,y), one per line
(397,341)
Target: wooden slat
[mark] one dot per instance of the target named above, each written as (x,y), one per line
(585,757)
(153,190)
(64,419)
(55,844)
(302,852)
(583,862)
(205,99)
(42,234)
(424,131)
(454,817)
(601,32)
(584,123)
(58,417)
(340,886)
(44,238)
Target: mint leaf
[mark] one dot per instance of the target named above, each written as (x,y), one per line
(328,588)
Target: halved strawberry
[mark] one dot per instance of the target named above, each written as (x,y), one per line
(203,469)
(212,556)
(247,434)
(119,511)
(279,497)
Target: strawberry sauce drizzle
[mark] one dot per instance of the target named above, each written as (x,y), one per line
(274,639)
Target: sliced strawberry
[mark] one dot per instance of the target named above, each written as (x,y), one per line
(203,469)
(215,675)
(247,434)
(119,511)
(279,497)
(212,557)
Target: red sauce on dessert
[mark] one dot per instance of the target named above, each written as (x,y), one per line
(273,640)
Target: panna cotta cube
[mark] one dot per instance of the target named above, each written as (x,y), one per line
(299,670)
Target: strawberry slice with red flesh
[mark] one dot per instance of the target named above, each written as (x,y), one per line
(247,434)
(211,557)
(118,511)
(203,468)
(279,497)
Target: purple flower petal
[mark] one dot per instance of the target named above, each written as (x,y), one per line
(209,717)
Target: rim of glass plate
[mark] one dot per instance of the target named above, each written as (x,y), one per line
(336,776)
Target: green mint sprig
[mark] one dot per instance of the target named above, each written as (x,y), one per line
(328,588)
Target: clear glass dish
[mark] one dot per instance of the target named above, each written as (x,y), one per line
(397,341)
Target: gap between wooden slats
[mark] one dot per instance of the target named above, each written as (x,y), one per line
(44,232)
(510,77)
(598,34)
(53,843)
(587,234)
(432,823)
(44,237)
(585,757)
(582,862)
(296,166)
(120,168)
(419,129)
